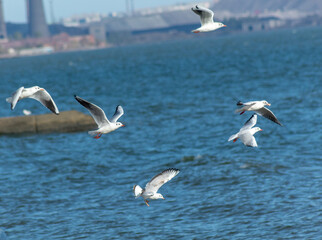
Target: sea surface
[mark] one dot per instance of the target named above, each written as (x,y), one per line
(179,99)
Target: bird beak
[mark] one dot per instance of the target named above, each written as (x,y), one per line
(41,89)
(225,26)
(163,198)
(123,125)
(260,129)
(268,104)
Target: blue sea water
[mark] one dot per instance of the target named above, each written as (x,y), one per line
(179,99)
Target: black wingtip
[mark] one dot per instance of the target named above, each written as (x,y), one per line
(240,103)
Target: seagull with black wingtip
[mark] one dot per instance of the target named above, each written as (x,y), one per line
(259,108)
(104,125)
(206,19)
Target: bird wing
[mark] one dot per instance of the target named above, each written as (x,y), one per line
(15,97)
(206,15)
(45,99)
(265,112)
(118,113)
(137,191)
(157,181)
(251,122)
(96,112)
(248,139)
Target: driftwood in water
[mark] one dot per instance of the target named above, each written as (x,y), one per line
(68,121)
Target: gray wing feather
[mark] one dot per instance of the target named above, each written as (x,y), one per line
(118,113)
(251,122)
(265,112)
(206,15)
(96,112)
(160,179)
(45,99)
(15,97)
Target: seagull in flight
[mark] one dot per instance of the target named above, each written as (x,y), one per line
(104,125)
(246,133)
(151,188)
(35,92)
(259,108)
(206,19)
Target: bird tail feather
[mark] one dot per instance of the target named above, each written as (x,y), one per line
(93,133)
(232,137)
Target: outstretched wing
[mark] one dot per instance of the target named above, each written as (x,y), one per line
(97,113)
(118,113)
(249,123)
(137,191)
(45,99)
(265,112)
(206,15)
(160,179)
(15,97)
(248,139)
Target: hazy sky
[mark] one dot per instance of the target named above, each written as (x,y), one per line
(15,10)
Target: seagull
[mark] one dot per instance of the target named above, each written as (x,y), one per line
(104,125)
(246,133)
(151,188)
(259,108)
(35,92)
(206,19)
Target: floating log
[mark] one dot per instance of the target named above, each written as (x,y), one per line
(68,121)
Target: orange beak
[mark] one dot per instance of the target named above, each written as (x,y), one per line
(261,130)
(123,125)
(225,26)
(41,89)
(268,104)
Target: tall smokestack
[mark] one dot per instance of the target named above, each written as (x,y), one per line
(3,31)
(36,19)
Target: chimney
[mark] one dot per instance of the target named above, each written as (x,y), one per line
(38,27)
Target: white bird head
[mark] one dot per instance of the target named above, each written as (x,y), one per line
(35,89)
(221,25)
(119,124)
(266,103)
(256,129)
(158,196)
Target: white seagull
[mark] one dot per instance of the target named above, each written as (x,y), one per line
(151,188)
(104,125)
(246,133)
(206,19)
(259,108)
(37,93)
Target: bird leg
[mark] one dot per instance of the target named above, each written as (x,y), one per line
(147,203)
(98,136)
(241,112)
(235,139)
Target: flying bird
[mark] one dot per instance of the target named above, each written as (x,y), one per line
(246,133)
(151,188)
(104,125)
(37,93)
(259,108)
(206,19)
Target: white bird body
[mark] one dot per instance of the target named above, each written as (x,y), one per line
(206,19)
(104,125)
(151,188)
(246,133)
(259,108)
(35,92)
